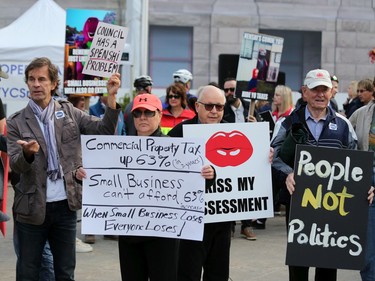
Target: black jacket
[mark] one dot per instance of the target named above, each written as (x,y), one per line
(177,132)
(229,114)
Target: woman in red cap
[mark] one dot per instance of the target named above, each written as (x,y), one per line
(144,258)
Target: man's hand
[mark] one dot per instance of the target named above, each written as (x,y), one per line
(29,148)
(80,174)
(251,118)
(207,172)
(113,85)
(370,197)
(290,183)
(270,156)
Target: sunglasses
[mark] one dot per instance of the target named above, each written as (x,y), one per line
(226,90)
(210,106)
(147,113)
(361,91)
(174,97)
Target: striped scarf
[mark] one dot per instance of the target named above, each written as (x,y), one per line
(46,117)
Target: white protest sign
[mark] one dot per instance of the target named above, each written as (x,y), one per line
(143,186)
(106,50)
(240,154)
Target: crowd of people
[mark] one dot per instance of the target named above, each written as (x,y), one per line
(43,144)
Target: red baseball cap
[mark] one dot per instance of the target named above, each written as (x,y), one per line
(147,101)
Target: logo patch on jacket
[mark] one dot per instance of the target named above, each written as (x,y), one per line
(332,126)
(59,114)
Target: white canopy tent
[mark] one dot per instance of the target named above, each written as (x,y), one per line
(40,31)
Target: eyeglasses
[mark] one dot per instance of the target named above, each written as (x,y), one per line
(174,97)
(226,90)
(147,113)
(361,91)
(210,106)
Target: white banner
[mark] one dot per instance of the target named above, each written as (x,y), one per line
(239,152)
(143,186)
(106,49)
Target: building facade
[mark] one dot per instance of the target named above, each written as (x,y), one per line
(332,34)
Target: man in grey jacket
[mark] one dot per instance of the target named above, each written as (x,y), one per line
(44,149)
(363,121)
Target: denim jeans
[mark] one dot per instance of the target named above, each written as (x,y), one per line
(47,272)
(368,272)
(59,228)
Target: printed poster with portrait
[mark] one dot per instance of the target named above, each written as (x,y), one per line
(240,155)
(329,208)
(81,26)
(258,66)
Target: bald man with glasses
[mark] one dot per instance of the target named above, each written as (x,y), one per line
(211,254)
(236,110)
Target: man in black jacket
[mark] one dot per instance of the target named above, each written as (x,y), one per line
(323,127)
(211,254)
(236,110)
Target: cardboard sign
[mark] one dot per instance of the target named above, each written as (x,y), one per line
(81,26)
(143,186)
(239,152)
(266,116)
(329,208)
(258,66)
(106,50)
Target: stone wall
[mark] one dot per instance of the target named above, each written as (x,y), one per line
(347,26)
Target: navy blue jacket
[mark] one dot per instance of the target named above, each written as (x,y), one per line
(337,133)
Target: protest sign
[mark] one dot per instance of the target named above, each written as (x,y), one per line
(239,153)
(258,67)
(143,186)
(329,208)
(81,26)
(106,50)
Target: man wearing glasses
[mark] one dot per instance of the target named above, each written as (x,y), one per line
(323,127)
(236,110)
(211,254)
(365,90)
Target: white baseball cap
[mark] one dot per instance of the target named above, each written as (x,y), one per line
(318,77)
(3,74)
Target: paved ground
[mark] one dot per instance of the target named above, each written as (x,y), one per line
(260,260)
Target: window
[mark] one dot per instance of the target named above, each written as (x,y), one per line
(171,48)
(301,53)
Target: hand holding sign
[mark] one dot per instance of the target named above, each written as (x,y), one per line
(113,85)
(329,189)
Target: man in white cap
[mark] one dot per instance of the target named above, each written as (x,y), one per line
(321,127)
(185,77)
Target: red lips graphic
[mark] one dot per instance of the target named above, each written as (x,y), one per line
(228,149)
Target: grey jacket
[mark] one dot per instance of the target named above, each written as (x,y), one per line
(361,120)
(30,193)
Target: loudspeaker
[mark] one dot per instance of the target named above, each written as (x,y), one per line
(228,65)
(281,78)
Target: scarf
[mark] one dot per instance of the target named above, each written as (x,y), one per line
(46,117)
